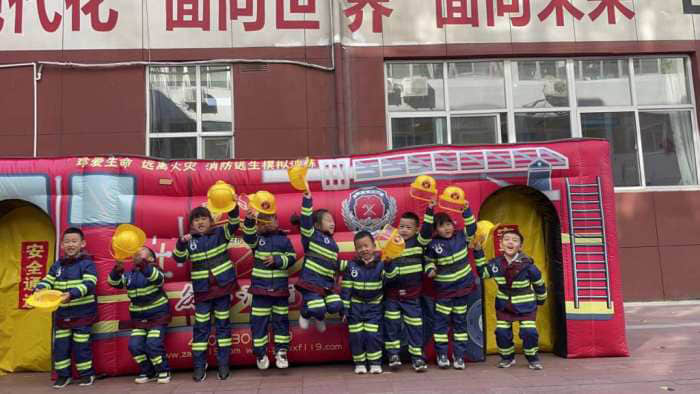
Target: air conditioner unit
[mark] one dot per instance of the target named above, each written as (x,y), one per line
(414,87)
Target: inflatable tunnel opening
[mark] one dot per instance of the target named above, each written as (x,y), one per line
(27,239)
(534,215)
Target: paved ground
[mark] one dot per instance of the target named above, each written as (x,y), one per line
(663,339)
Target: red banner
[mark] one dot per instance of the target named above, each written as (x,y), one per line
(498,235)
(35,255)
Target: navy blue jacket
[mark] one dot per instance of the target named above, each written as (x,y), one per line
(362,283)
(274,280)
(144,286)
(520,284)
(408,268)
(208,254)
(78,277)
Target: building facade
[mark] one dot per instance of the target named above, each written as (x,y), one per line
(244,79)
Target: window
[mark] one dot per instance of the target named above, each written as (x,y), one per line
(643,106)
(191,112)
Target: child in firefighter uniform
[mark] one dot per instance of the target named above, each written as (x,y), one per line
(520,290)
(76,276)
(213,281)
(321,264)
(454,281)
(273,256)
(150,314)
(362,293)
(403,293)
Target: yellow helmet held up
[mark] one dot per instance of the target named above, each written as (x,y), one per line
(126,241)
(453,199)
(297,176)
(263,202)
(393,244)
(221,197)
(46,300)
(484,230)
(424,188)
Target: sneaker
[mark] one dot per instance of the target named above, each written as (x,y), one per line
(394,362)
(443,362)
(321,325)
(143,378)
(263,363)
(223,372)
(62,382)
(281,359)
(419,365)
(87,381)
(458,363)
(163,378)
(200,374)
(375,369)
(506,363)
(360,369)
(535,365)
(303,323)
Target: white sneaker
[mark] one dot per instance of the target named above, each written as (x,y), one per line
(281,359)
(164,378)
(321,325)
(303,323)
(375,369)
(263,363)
(360,369)
(141,379)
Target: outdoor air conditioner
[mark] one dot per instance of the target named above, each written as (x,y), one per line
(414,87)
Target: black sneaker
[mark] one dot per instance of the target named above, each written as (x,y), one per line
(87,380)
(223,372)
(535,365)
(443,362)
(200,374)
(394,362)
(419,365)
(62,382)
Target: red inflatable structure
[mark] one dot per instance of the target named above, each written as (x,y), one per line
(571,180)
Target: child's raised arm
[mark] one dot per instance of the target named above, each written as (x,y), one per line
(426,229)
(469,222)
(307,223)
(116,276)
(250,232)
(234,221)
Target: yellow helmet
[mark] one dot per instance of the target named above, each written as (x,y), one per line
(297,176)
(126,241)
(47,300)
(263,202)
(424,188)
(484,229)
(221,197)
(453,199)
(393,244)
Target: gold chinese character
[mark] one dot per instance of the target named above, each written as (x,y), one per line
(190,166)
(212,166)
(125,162)
(269,165)
(82,162)
(30,283)
(162,166)
(111,162)
(96,162)
(35,251)
(281,165)
(34,268)
(253,165)
(149,165)
(240,165)
(226,166)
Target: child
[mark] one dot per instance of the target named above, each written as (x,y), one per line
(403,294)
(150,314)
(520,290)
(76,276)
(362,293)
(213,281)
(274,255)
(447,256)
(317,276)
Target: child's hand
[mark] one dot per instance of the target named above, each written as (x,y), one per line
(466,205)
(119,266)
(269,261)
(432,203)
(478,242)
(186,238)
(65,297)
(250,214)
(432,274)
(307,193)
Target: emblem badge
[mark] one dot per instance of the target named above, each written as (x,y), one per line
(369,209)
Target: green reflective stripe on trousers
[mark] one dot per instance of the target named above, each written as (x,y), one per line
(154,334)
(280,310)
(392,344)
(202,317)
(282,338)
(140,358)
(413,321)
(83,366)
(81,338)
(358,358)
(199,346)
(62,364)
(440,338)
(257,342)
(374,356)
(506,351)
(461,336)
(416,351)
(527,324)
(222,315)
(261,311)
(444,309)
(503,324)
(531,351)
(62,334)
(223,342)
(157,360)
(392,315)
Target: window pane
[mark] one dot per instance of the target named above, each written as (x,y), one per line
(216,98)
(217,148)
(542,126)
(415,87)
(602,83)
(540,84)
(418,131)
(174,148)
(476,85)
(474,130)
(173,93)
(619,128)
(667,145)
(661,81)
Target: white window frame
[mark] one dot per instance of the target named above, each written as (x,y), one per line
(198,134)
(573,109)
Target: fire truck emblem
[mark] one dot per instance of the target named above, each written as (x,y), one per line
(368,209)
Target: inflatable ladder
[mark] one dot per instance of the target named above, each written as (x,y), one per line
(591,277)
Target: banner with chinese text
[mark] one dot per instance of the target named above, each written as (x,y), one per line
(34,256)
